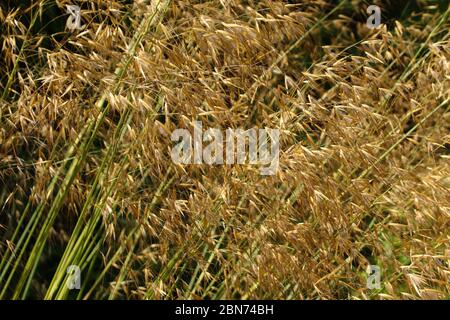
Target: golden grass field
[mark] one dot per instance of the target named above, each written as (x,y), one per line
(87,180)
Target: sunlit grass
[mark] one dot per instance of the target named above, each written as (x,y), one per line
(86,177)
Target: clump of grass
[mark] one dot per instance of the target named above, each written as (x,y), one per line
(87,178)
